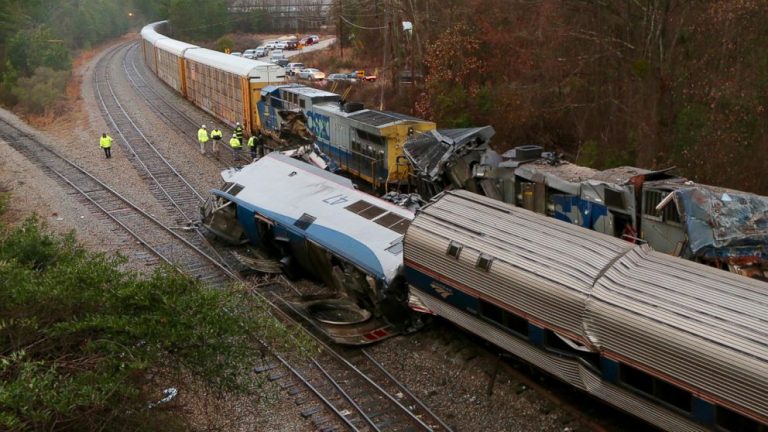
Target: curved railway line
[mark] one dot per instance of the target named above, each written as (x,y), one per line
(349,384)
(163,241)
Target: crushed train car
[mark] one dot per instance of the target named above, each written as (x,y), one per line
(720,227)
(317,223)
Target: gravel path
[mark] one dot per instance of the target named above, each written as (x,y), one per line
(454,380)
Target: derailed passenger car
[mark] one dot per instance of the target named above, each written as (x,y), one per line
(317,222)
(681,345)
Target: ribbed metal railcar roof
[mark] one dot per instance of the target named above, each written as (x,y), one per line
(149,32)
(173,46)
(696,324)
(556,250)
(542,267)
(237,65)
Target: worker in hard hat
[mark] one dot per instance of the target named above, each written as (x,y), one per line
(239,133)
(234,143)
(216,136)
(202,137)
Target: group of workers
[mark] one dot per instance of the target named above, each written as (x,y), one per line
(255,142)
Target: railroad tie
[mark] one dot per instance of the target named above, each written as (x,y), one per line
(310,411)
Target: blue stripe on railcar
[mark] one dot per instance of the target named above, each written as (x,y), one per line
(336,242)
(438,289)
(703,411)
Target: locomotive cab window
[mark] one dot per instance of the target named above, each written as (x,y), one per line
(454,249)
(304,221)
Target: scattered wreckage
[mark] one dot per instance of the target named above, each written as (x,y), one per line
(720,227)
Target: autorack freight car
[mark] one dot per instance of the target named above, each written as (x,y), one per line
(149,36)
(223,85)
(681,345)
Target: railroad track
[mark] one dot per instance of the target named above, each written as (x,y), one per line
(168,185)
(165,243)
(175,192)
(174,117)
(356,388)
(331,384)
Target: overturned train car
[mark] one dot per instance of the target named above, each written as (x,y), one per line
(681,345)
(319,224)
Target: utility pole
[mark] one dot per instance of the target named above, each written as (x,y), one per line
(341,29)
(386,56)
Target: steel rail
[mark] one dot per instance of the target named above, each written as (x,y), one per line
(138,158)
(57,156)
(405,389)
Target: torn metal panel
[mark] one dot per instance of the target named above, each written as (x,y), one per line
(718,218)
(430,153)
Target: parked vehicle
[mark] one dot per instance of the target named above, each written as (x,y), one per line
(277,54)
(281,62)
(291,44)
(294,68)
(261,51)
(309,40)
(360,74)
(311,74)
(342,77)
(270,45)
(281,45)
(249,53)
(236,54)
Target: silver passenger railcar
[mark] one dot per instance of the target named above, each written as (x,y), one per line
(681,345)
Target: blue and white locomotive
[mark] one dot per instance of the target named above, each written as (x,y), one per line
(318,223)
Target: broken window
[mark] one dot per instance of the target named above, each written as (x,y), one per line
(232,188)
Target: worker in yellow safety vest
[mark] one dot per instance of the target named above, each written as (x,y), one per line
(216,136)
(236,147)
(239,133)
(202,136)
(256,145)
(106,143)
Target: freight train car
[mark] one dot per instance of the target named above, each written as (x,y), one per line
(223,85)
(316,222)
(681,345)
(170,63)
(149,36)
(228,86)
(364,142)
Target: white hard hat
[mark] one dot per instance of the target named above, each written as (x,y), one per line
(238,123)
(203,126)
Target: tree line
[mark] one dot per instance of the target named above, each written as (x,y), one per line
(650,83)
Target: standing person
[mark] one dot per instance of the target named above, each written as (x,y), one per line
(236,147)
(202,136)
(255,145)
(239,133)
(106,143)
(216,136)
